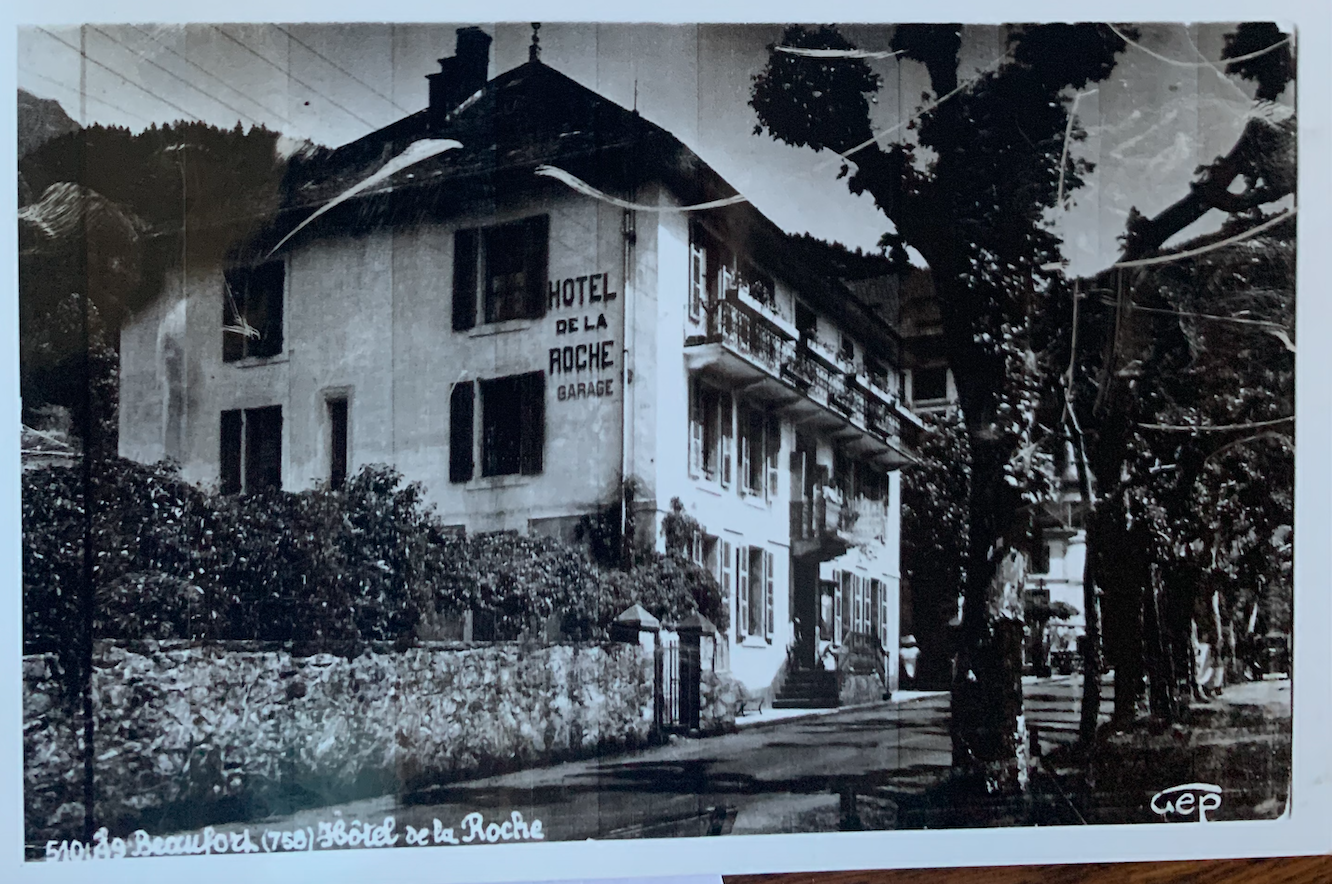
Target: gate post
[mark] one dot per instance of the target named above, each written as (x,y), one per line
(635,625)
(692,630)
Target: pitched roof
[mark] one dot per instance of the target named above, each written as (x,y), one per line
(528,116)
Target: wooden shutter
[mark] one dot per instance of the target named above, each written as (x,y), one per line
(695,428)
(744,462)
(728,578)
(742,589)
(727,437)
(837,607)
(532,441)
(462,410)
(230,458)
(698,280)
(465,254)
(844,590)
(768,569)
(774,442)
(535,266)
(875,595)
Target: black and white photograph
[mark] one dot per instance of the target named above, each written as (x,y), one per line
(464,434)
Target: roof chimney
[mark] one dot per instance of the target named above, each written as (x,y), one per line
(462,75)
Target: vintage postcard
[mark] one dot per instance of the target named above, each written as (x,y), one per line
(488,448)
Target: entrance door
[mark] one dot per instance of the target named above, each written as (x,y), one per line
(805,575)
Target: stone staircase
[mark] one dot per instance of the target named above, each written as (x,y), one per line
(807,689)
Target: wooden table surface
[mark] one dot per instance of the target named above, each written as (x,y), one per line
(1297,870)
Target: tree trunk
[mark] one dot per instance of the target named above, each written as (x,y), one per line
(1091,649)
(988,726)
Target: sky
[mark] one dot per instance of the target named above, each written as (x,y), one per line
(1150,124)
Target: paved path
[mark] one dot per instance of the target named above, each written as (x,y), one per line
(786,776)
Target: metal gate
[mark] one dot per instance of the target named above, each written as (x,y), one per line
(668,684)
(679,676)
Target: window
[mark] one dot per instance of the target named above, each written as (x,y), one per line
(711,436)
(807,323)
(754,583)
(871,483)
(928,384)
(760,451)
(503,269)
(1040,557)
(513,424)
(251,451)
(252,311)
(337,455)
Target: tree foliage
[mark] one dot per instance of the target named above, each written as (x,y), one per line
(970,195)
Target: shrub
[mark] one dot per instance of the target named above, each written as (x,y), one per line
(327,569)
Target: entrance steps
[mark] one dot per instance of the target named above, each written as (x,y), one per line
(808,689)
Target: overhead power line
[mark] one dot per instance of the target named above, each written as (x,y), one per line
(174,75)
(1215,428)
(340,69)
(115,73)
(294,78)
(207,73)
(74,89)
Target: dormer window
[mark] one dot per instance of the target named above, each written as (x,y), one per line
(252,311)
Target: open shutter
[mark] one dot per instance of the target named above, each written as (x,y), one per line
(465,247)
(231,452)
(876,620)
(695,429)
(462,409)
(532,442)
(727,438)
(769,598)
(837,607)
(774,442)
(742,590)
(535,264)
(844,590)
(698,280)
(744,463)
(728,577)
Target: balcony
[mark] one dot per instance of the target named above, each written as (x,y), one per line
(817,526)
(744,350)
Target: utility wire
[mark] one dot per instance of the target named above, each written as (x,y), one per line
(1194,64)
(266,109)
(173,74)
(340,68)
(294,78)
(69,88)
(117,74)
(1215,428)
(962,87)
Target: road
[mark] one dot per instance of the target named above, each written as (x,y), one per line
(789,776)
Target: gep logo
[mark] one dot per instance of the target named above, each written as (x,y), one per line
(1186,800)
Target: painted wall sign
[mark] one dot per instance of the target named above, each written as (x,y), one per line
(582,359)
(579,291)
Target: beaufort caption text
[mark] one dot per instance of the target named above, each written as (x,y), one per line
(473,829)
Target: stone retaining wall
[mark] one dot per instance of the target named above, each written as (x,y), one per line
(190,733)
